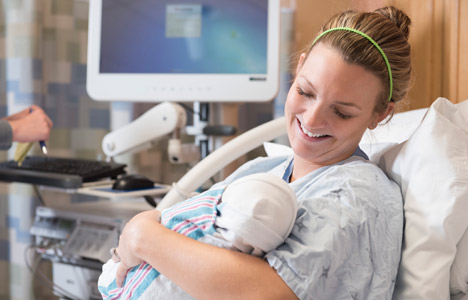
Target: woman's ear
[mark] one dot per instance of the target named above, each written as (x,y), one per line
(379,117)
(300,63)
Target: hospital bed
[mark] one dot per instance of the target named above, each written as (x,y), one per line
(426,152)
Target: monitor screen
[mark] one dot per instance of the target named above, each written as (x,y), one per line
(166,50)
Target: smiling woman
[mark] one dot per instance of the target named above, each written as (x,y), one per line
(348,79)
(346,240)
(327,109)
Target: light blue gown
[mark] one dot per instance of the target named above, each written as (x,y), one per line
(346,241)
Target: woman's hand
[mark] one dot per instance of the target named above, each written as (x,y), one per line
(133,233)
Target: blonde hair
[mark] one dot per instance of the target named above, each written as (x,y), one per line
(389,28)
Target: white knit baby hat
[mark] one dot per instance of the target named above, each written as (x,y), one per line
(264,204)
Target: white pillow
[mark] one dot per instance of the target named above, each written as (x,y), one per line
(459,269)
(388,134)
(400,127)
(431,168)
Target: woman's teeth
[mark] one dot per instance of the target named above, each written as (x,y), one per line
(310,134)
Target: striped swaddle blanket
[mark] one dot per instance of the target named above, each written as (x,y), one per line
(194,218)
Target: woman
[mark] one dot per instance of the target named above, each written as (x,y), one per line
(346,240)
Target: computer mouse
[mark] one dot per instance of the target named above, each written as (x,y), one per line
(132,182)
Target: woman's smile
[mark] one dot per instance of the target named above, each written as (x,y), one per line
(311,134)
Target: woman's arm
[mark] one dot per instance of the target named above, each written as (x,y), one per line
(204,271)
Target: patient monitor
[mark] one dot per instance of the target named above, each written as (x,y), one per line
(195,50)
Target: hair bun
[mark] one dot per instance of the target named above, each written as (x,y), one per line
(396,16)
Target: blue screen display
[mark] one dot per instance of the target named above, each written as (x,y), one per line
(161,36)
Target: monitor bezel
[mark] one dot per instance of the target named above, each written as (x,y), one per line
(183,87)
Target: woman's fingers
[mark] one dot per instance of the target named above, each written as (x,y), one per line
(121,274)
(115,255)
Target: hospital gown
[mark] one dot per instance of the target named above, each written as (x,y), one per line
(347,237)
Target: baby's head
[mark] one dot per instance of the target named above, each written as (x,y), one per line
(267,203)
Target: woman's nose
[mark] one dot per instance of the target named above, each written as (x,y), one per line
(314,116)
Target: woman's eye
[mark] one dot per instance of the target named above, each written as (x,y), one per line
(302,93)
(342,115)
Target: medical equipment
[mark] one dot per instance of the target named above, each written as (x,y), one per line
(77,240)
(218,50)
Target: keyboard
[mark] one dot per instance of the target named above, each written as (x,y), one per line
(58,171)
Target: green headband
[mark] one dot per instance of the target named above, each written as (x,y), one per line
(373,43)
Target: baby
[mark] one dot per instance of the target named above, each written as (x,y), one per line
(253,214)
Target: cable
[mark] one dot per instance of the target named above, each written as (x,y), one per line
(213,181)
(61,292)
(150,201)
(44,279)
(38,194)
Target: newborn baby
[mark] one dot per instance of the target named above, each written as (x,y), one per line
(253,214)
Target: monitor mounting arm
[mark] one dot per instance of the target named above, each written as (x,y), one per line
(158,122)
